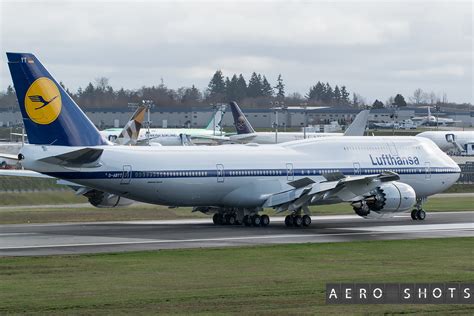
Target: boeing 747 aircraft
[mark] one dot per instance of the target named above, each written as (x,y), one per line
(378,176)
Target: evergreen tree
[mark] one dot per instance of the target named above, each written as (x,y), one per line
(254,89)
(316,92)
(231,88)
(216,87)
(267,90)
(191,95)
(280,87)
(377,104)
(328,95)
(399,101)
(241,90)
(344,95)
(337,95)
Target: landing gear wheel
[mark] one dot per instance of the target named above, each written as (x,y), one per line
(288,221)
(231,219)
(413,215)
(247,220)
(256,220)
(297,221)
(306,220)
(216,219)
(421,215)
(265,220)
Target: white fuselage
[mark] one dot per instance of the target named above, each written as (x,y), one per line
(164,136)
(245,175)
(440,138)
(277,138)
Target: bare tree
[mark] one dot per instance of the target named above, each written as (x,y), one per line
(102,83)
(418,97)
(430,98)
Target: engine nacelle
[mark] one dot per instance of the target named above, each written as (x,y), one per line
(106,200)
(387,199)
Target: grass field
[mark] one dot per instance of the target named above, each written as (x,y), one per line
(88,213)
(284,279)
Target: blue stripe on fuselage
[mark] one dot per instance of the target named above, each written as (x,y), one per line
(231,173)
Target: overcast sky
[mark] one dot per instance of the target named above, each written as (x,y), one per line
(375,48)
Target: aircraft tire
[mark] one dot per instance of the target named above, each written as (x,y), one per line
(265,220)
(297,221)
(231,219)
(216,219)
(414,215)
(421,215)
(306,220)
(288,221)
(256,220)
(247,220)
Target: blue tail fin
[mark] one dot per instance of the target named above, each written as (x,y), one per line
(50,116)
(242,125)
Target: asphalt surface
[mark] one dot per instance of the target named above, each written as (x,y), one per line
(79,238)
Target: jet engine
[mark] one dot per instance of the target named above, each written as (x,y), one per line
(106,200)
(388,198)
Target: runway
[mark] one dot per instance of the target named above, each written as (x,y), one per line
(99,237)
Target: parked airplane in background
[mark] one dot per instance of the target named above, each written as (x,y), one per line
(170,136)
(378,176)
(431,120)
(461,142)
(246,133)
(9,155)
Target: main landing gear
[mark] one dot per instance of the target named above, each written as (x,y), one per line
(418,213)
(297,220)
(248,220)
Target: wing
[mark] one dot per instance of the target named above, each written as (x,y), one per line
(305,191)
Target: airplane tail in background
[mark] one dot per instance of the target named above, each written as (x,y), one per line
(50,115)
(429,112)
(242,125)
(131,130)
(358,125)
(216,120)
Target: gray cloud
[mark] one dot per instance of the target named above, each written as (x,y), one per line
(375,48)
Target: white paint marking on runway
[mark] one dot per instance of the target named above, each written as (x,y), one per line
(158,241)
(409,228)
(16,234)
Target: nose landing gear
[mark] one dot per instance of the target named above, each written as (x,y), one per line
(418,213)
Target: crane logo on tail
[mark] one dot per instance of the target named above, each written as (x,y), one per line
(43,101)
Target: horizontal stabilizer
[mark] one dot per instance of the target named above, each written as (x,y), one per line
(9,156)
(23,173)
(85,157)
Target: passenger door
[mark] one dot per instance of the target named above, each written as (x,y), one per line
(220,173)
(126,174)
(356,168)
(427,171)
(289,172)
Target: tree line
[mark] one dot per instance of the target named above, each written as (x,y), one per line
(257,92)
